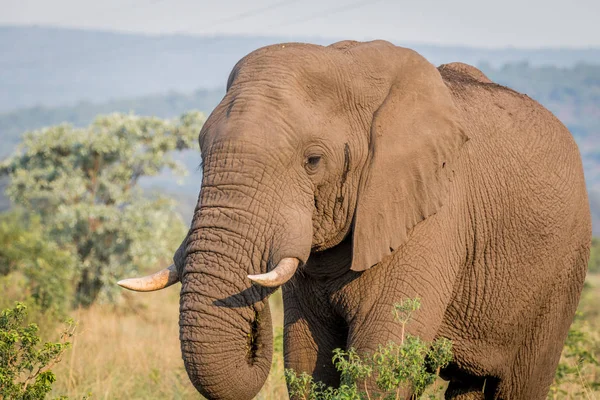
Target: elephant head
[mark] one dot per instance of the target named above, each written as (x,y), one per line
(309,146)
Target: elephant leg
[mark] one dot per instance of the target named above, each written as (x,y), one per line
(311,333)
(535,363)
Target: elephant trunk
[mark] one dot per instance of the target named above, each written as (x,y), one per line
(225,321)
(227,352)
(242,227)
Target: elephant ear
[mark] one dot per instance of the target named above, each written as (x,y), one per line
(415,135)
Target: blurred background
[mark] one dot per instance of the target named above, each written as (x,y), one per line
(68,66)
(67,60)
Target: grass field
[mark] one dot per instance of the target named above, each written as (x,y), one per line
(132,352)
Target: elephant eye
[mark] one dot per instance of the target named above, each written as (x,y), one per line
(312,162)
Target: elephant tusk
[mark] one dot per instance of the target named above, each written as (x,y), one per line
(282,273)
(157,281)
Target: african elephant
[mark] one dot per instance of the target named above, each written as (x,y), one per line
(357,175)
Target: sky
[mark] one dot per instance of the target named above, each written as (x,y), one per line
(481,23)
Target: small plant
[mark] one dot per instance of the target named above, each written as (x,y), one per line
(410,366)
(24,365)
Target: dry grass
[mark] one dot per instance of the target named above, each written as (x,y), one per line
(134,353)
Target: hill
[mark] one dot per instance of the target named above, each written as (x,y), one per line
(54,66)
(13,124)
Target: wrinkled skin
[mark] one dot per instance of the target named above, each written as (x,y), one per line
(388,179)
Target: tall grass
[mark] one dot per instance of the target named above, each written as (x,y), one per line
(132,352)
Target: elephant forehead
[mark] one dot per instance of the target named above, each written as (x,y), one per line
(282,91)
(251,139)
(292,76)
(297,69)
(268,121)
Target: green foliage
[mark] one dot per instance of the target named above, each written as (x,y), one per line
(410,366)
(414,364)
(25,364)
(83,183)
(404,310)
(27,250)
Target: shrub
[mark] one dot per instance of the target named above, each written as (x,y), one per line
(46,270)
(24,364)
(83,184)
(412,364)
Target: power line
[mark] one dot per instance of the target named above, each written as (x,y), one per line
(330,11)
(131,4)
(250,13)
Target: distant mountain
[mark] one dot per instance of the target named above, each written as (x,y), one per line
(54,66)
(14,123)
(572,94)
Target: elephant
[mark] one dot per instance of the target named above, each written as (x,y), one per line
(358,174)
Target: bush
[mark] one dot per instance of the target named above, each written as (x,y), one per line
(24,364)
(411,365)
(46,270)
(83,184)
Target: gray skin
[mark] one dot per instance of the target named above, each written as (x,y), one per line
(388,179)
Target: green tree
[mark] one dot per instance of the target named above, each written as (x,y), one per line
(83,183)
(25,365)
